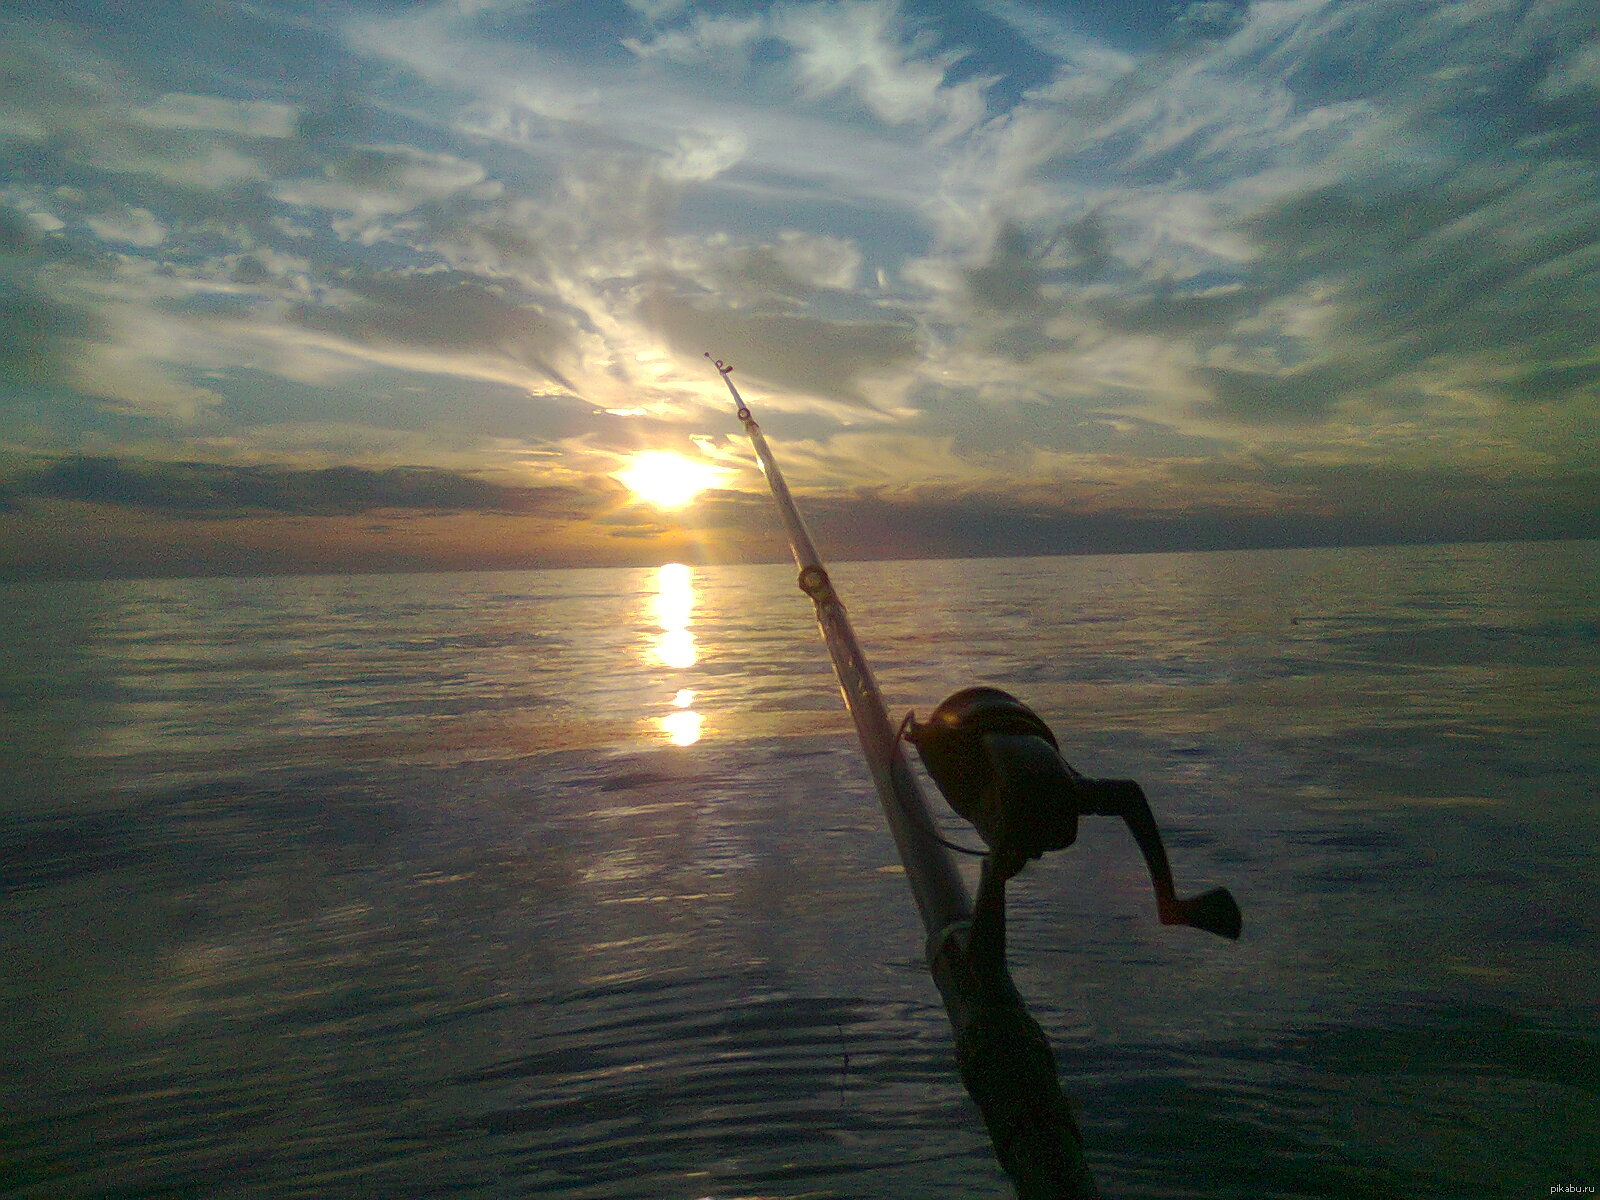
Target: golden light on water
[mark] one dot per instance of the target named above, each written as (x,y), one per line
(673,604)
(672,607)
(683,727)
(668,480)
(675,648)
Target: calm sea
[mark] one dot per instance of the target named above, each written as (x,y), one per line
(571,884)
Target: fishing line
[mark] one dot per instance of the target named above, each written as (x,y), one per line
(936,884)
(1004,1056)
(900,736)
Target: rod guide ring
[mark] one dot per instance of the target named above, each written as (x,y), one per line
(815,583)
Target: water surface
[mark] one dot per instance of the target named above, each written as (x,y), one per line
(571,884)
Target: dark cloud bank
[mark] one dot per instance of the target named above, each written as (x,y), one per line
(211,491)
(1336,506)
(868,528)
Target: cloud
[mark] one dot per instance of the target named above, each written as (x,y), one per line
(208,490)
(655,10)
(1211,503)
(702,155)
(371,182)
(1428,501)
(1294,233)
(709,39)
(69,332)
(219,114)
(40,338)
(795,352)
(1207,19)
(1578,382)
(434,309)
(788,271)
(1171,310)
(1024,296)
(18,234)
(1030,246)
(797,264)
(135,226)
(90,121)
(1263,397)
(690,106)
(1577,73)
(50,78)
(1497,270)
(1011,280)
(859,48)
(130,382)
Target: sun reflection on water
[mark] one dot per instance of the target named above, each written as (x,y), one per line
(675,648)
(672,606)
(683,728)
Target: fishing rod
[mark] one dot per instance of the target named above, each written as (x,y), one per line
(999,766)
(1003,1055)
(940,893)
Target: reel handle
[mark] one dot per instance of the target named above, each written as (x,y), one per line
(1215,911)
(1000,767)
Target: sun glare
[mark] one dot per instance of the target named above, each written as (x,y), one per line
(668,480)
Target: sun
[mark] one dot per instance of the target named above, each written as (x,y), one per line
(668,480)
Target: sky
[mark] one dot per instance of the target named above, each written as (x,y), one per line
(356,285)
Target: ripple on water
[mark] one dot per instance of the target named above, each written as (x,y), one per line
(638,1088)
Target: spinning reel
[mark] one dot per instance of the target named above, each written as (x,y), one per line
(999,766)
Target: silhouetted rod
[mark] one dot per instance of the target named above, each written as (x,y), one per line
(940,894)
(1003,1056)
